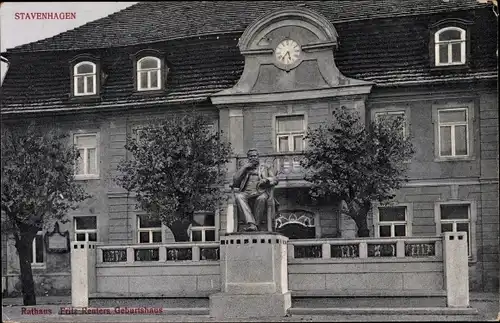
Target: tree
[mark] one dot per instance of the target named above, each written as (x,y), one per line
(177,168)
(37,186)
(358,164)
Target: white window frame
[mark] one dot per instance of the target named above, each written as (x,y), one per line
(455,105)
(203,229)
(408,219)
(148,71)
(453,125)
(34,263)
(86,175)
(86,231)
(290,134)
(471,220)
(160,229)
(85,76)
(462,41)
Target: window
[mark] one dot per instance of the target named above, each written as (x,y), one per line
(137,132)
(457,217)
(87,164)
(148,229)
(37,257)
(203,227)
(148,74)
(392,221)
(450,46)
(85,79)
(290,132)
(390,116)
(85,228)
(453,132)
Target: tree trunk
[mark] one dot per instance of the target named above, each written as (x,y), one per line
(362,225)
(359,215)
(180,226)
(24,246)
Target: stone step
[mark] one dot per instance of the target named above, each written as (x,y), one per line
(164,302)
(361,301)
(303,302)
(364,314)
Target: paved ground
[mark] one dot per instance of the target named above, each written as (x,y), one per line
(487,304)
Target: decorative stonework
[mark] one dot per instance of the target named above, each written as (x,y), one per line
(301,217)
(309,72)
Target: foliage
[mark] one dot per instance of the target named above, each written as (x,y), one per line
(38,186)
(177,168)
(356,163)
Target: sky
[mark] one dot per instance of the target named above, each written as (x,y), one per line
(15,32)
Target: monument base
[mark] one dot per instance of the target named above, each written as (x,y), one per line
(254,279)
(225,305)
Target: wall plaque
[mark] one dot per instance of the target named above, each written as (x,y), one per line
(57,241)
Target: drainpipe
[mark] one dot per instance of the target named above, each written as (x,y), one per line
(6,61)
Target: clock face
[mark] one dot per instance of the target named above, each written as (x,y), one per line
(287,52)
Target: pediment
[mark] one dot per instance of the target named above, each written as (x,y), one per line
(268,71)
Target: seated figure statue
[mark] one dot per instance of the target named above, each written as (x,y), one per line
(255,182)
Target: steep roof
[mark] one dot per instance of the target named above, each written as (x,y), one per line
(387,51)
(148,22)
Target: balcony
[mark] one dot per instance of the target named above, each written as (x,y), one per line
(286,165)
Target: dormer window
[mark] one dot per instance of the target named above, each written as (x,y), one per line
(85,79)
(149,73)
(450,46)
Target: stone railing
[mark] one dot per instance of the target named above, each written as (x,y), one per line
(397,266)
(158,253)
(286,165)
(424,265)
(415,247)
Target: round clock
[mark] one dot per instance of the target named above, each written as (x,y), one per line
(287,52)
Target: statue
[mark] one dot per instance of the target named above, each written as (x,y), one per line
(255,182)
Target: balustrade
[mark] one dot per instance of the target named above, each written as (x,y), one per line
(158,253)
(420,247)
(285,164)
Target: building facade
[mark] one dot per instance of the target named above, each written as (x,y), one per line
(265,72)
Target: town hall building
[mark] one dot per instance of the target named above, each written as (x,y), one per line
(264,72)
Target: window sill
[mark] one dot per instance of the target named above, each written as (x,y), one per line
(148,92)
(86,177)
(87,98)
(452,67)
(454,159)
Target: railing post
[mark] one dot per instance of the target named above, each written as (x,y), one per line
(83,272)
(456,268)
(363,250)
(162,253)
(290,251)
(326,251)
(196,253)
(99,255)
(400,248)
(438,248)
(130,255)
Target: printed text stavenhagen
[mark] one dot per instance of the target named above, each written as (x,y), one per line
(44,15)
(116,310)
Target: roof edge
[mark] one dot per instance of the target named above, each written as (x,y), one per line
(17,49)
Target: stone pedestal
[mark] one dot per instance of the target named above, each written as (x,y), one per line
(254,277)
